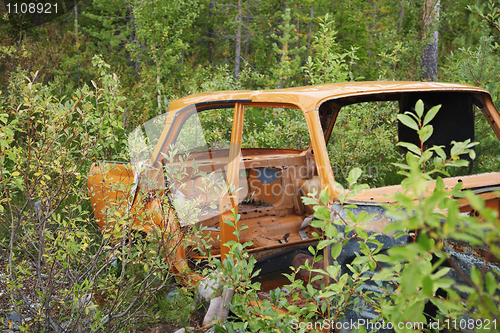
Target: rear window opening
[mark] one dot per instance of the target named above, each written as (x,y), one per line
(363,133)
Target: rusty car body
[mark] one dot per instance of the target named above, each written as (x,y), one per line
(271,180)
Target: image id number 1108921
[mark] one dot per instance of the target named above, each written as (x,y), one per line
(31,8)
(461,324)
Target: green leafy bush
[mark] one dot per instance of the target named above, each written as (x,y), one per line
(62,273)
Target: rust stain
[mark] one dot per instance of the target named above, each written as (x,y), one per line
(485,255)
(476,252)
(457,247)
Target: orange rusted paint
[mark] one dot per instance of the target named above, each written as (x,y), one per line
(380,194)
(476,252)
(310,97)
(228,203)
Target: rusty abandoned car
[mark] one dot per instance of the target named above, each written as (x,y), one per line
(206,135)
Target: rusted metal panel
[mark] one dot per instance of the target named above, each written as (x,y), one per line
(309,97)
(482,254)
(481,181)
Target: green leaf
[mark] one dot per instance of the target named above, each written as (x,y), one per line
(318,223)
(333,270)
(442,272)
(439,150)
(438,162)
(317,277)
(475,275)
(383,275)
(339,186)
(462,236)
(459,163)
(408,121)
(360,260)
(361,233)
(324,243)
(410,279)
(491,283)
(419,108)
(229,222)
(364,247)
(336,250)
(363,217)
(324,197)
(402,253)
(229,327)
(354,175)
(399,234)
(472,155)
(411,147)
(414,311)
(427,286)
(430,114)
(322,213)
(309,201)
(331,231)
(443,283)
(428,133)
(350,215)
(401,166)
(475,201)
(395,226)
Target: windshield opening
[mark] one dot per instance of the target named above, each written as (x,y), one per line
(268,127)
(194,166)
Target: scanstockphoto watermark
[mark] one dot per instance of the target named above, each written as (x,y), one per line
(350,325)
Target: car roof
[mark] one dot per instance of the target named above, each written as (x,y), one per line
(309,97)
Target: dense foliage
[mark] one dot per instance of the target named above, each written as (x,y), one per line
(73,86)
(167,49)
(162,50)
(56,256)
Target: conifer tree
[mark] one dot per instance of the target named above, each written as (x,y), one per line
(328,63)
(288,54)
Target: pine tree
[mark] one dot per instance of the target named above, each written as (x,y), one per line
(289,60)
